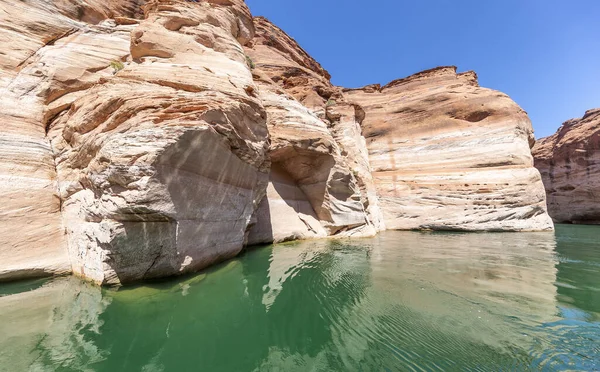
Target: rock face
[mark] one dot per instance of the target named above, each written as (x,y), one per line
(311,192)
(162,165)
(320,162)
(569,162)
(448,154)
(148,138)
(32,238)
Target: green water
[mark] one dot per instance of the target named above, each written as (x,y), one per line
(403,301)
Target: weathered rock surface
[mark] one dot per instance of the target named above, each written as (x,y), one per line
(32,239)
(308,175)
(162,165)
(148,138)
(319,156)
(569,162)
(448,154)
(159,161)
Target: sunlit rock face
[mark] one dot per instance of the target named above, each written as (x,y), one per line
(143,130)
(448,154)
(320,161)
(162,165)
(569,162)
(310,181)
(48,48)
(149,138)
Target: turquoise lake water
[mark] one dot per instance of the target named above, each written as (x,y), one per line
(402,301)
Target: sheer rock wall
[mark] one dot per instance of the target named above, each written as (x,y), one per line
(569,162)
(149,138)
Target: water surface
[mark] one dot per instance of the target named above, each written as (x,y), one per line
(403,301)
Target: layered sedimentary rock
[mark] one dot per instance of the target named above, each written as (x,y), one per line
(320,162)
(148,138)
(32,240)
(152,143)
(569,162)
(162,165)
(448,154)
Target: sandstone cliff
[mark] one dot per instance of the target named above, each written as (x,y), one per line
(320,165)
(147,138)
(448,154)
(569,162)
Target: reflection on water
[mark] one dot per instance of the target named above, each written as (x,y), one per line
(400,301)
(47,326)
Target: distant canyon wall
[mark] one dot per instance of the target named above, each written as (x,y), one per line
(569,162)
(448,154)
(145,139)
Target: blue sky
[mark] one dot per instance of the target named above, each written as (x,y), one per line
(544,53)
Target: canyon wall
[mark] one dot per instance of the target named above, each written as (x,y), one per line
(32,237)
(569,162)
(153,146)
(447,154)
(320,165)
(148,138)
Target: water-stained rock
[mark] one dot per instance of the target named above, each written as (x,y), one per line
(153,148)
(48,48)
(448,154)
(148,138)
(315,139)
(569,162)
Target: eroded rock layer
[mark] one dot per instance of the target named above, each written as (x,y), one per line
(153,147)
(148,138)
(315,139)
(448,154)
(569,162)
(32,236)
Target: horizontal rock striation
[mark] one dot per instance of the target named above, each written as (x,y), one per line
(162,164)
(315,140)
(32,235)
(569,162)
(143,133)
(447,154)
(149,138)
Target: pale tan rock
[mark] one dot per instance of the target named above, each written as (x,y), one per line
(331,171)
(163,164)
(308,174)
(32,237)
(281,58)
(159,148)
(346,120)
(141,137)
(448,154)
(569,162)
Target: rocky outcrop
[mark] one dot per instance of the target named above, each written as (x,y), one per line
(153,147)
(311,191)
(447,154)
(32,239)
(569,162)
(148,138)
(320,162)
(162,165)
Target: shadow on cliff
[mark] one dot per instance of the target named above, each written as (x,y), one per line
(193,211)
(286,212)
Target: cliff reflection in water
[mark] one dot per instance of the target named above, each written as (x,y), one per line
(400,300)
(49,326)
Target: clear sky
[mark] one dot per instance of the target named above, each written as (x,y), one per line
(544,53)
